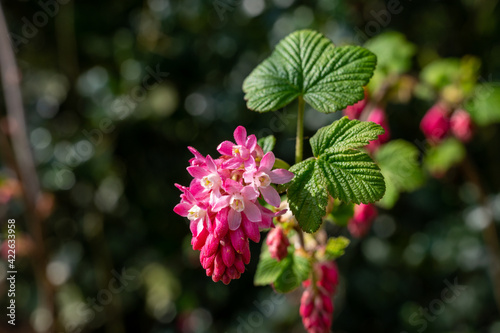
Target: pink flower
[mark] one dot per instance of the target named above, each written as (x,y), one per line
(378,116)
(435,124)
(261,178)
(239,199)
(241,152)
(222,207)
(316,306)
(277,243)
(461,125)
(355,111)
(360,224)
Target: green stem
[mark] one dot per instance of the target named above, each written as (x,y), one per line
(299,149)
(299,145)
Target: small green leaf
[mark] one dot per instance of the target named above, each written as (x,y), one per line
(393,52)
(268,269)
(297,269)
(336,247)
(391,195)
(483,107)
(280,164)
(441,72)
(442,157)
(398,161)
(267,143)
(305,63)
(339,169)
(342,213)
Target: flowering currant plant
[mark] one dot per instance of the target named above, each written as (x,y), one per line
(233,197)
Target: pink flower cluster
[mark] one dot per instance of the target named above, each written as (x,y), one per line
(221,203)
(376,115)
(437,124)
(277,243)
(360,224)
(316,306)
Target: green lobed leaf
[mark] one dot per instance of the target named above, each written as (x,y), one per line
(305,63)
(268,269)
(442,157)
(339,169)
(267,143)
(296,270)
(336,247)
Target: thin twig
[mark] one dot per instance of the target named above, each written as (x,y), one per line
(24,163)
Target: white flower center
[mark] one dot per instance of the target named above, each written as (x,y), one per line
(262,179)
(237,203)
(237,150)
(195,213)
(211,181)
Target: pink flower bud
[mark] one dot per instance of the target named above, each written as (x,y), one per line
(378,116)
(211,246)
(199,241)
(239,264)
(277,243)
(238,239)
(228,254)
(251,229)
(354,111)
(461,125)
(435,124)
(360,224)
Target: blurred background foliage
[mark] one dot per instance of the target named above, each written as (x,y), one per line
(114,93)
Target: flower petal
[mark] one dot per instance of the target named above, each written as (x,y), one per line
(233,219)
(252,212)
(281,176)
(240,135)
(211,164)
(251,229)
(222,203)
(197,172)
(267,161)
(249,192)
(271,196)
(251,142)
(183,209)
(226,148)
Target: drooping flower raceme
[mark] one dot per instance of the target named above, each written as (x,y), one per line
(316,305)
(222,207)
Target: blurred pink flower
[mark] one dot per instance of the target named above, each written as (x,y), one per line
(461,125)
(360,224)
(435,123)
